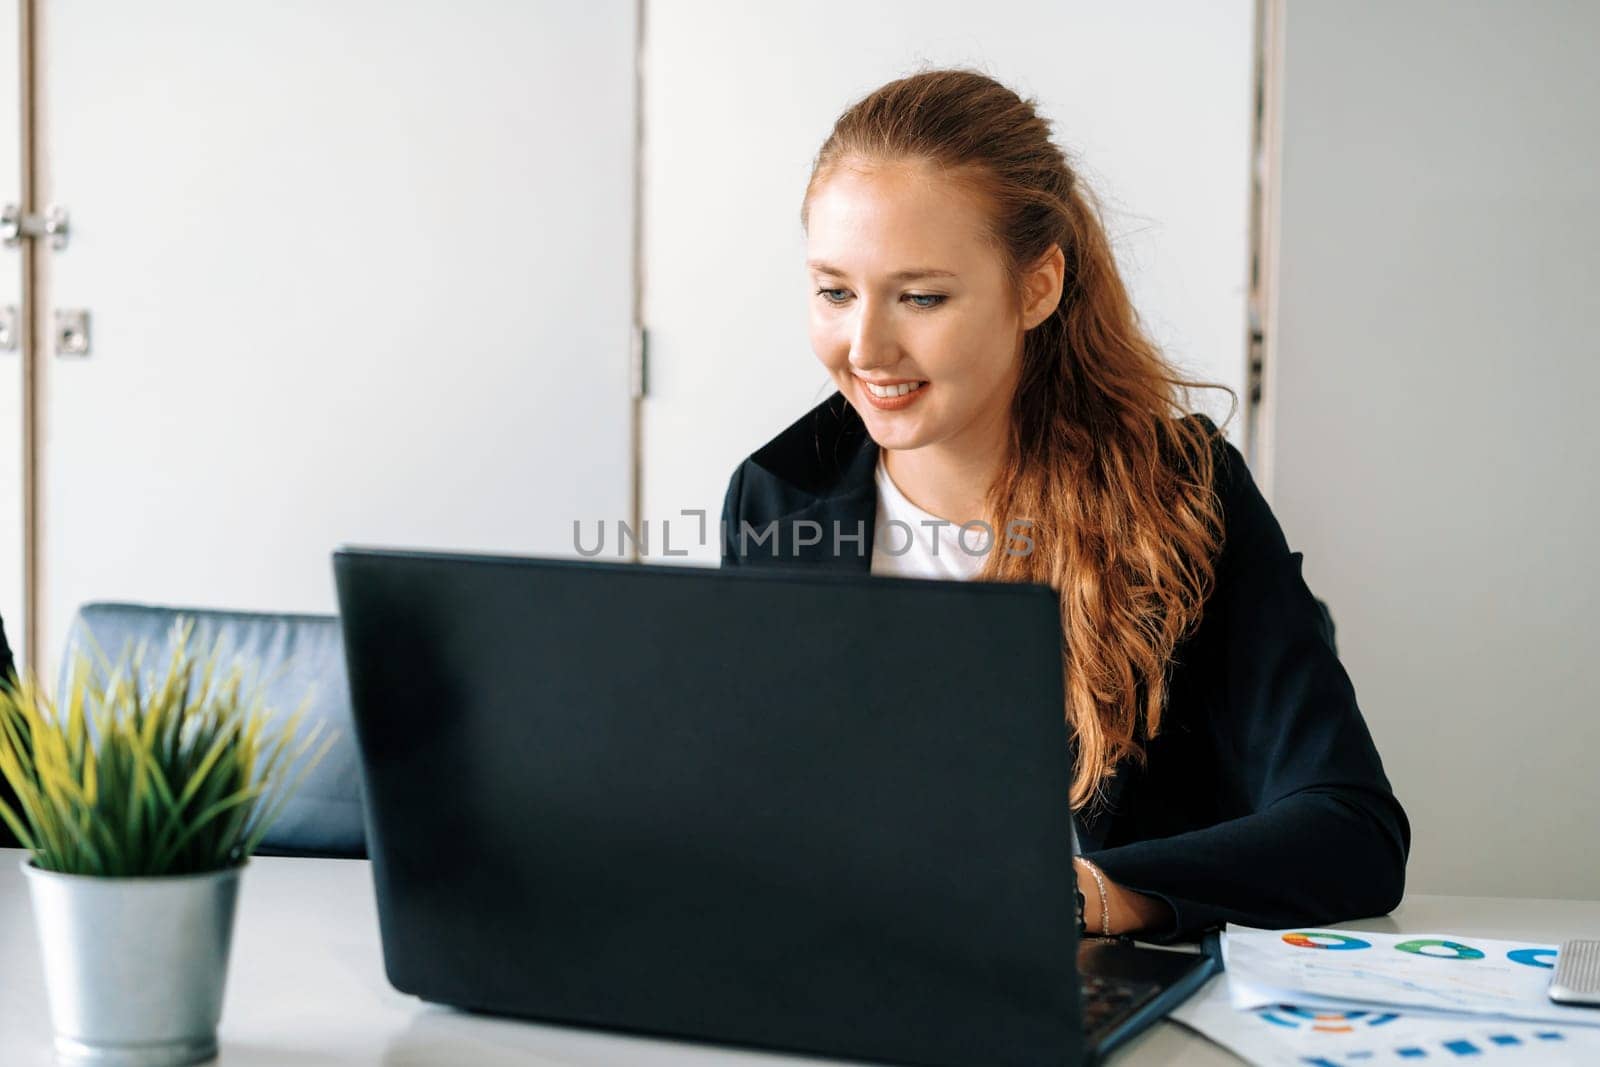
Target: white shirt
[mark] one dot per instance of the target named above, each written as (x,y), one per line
(908,542)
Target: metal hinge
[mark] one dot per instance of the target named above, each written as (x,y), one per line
(639,350)
(1255,367)
(72,332)
(54,224)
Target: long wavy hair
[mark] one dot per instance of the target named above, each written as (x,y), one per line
(1105,462)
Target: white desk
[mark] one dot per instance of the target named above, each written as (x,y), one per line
(306,984)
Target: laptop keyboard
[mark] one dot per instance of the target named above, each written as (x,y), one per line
(1108,1001)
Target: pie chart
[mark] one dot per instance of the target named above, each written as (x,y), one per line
(1327,1022)
(1323,939)
(1440,950)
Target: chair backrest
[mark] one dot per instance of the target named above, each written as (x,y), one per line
(299,655)
(8,668)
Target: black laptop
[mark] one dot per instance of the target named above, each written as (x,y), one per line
(802,811)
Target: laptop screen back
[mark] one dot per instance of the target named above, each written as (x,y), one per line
(812,812)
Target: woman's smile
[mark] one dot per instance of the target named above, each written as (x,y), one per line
(892,395)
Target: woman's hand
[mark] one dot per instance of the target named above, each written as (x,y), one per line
(1130,911)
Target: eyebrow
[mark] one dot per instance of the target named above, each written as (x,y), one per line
(897,276)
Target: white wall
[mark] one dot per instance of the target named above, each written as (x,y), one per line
(1154,99)
(1433,374)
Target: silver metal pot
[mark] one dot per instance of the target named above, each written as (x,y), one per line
(134,967)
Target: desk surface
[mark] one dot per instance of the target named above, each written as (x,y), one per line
(306,984)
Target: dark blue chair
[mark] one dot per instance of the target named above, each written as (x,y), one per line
(297,655)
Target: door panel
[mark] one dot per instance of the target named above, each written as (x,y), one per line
(357,272)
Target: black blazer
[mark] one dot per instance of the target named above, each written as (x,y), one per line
(1263,800)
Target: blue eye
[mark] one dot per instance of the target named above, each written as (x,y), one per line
(920,301)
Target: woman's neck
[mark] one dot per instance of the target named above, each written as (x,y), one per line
(950,479)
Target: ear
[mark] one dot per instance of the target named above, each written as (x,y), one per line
(1041,287)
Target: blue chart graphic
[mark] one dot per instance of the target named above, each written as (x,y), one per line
(1533,957)
(1444,1052)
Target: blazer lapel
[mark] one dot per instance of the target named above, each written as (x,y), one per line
(835,531)
(842,529)
(810,496)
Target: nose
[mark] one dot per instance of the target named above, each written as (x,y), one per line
(873,345)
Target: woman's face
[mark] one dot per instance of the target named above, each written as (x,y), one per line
(911,310)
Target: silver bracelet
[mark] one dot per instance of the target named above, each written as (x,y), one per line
(1100,883)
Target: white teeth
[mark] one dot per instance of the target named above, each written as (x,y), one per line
(888,391)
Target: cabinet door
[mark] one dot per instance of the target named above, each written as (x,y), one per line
(356,273)
(11,451)
(1154,98)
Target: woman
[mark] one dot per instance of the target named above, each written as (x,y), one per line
(991,370)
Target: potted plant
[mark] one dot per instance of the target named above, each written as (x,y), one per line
(139,800)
